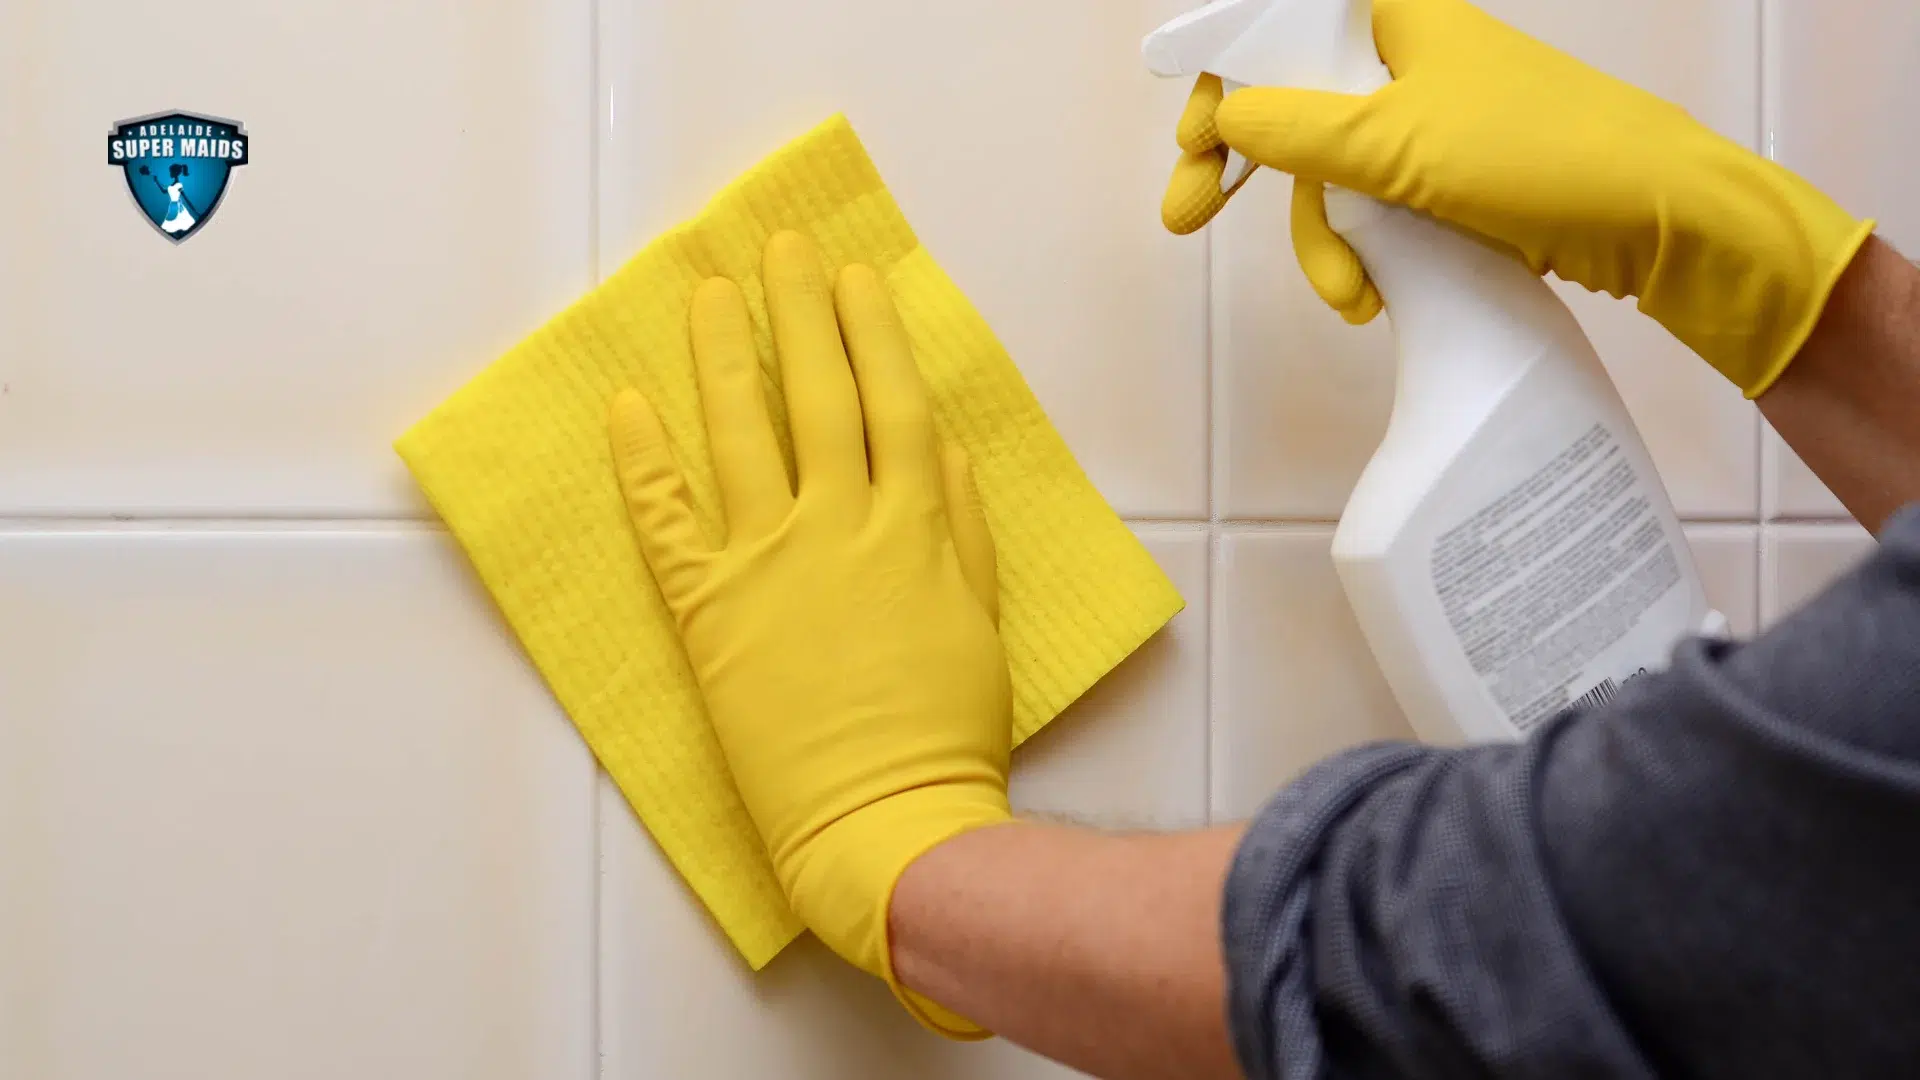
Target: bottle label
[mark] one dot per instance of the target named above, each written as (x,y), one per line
(1545,581)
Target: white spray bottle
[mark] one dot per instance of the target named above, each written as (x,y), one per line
(1509,551)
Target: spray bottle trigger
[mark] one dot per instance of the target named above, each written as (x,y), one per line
(1187,44)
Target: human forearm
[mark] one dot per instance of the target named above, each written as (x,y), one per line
(1100,951)
(1850,403)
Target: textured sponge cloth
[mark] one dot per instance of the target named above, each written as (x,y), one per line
(517,463)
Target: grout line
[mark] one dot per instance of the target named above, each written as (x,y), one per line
(594,269)
(1773,450)
(1804,525)
(217,525)
(1763,87)
(1212,654)
(1274,528)
(1211,371)
(1717,529)
(1166,522)
(1748,522)
(1169,528)
(1762,573)
(596,906)
(294,523)
(1767,466)
(596,981)
(1706,520)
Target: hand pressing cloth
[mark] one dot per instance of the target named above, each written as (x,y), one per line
(518,464)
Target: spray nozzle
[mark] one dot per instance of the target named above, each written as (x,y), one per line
(1310,44)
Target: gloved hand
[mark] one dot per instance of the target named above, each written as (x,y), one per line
(845,635)
(1574,171)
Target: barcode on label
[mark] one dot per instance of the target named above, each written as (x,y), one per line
(1599,695)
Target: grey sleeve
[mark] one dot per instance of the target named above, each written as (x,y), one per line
(1715,874)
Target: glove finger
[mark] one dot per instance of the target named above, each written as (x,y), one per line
(1193,194)
(823,404)
(1197,132)
(972,538)
(1307,133)
(746,457)
(1331,266)
(901,448)
(657,500)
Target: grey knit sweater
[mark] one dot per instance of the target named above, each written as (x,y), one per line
(1717,874)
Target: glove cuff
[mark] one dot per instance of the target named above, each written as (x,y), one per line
(843,887)
(1797,333)
(931,1014)
(1749,253)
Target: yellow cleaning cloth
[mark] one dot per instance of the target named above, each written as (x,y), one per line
(518,464)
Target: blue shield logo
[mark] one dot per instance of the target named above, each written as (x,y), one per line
(177,166)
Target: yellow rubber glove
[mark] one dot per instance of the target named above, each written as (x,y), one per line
(845,635)
(1575,171)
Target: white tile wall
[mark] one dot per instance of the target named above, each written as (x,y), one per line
(1842,89)
(282,804)
(282,799)
(1728,557)
(1132,753)
(1802,559)
(1294,679)
(417,200)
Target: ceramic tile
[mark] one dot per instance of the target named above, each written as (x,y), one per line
(1295,679)
(677,1001)
(1133,752)
(417,199)
(1301,398)
(1801,560)
(1024,141)
(282,804)
(1728,558)
(1304,399)
(1843,85)
(1796,493)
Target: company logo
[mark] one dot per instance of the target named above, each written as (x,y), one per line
(177,165)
